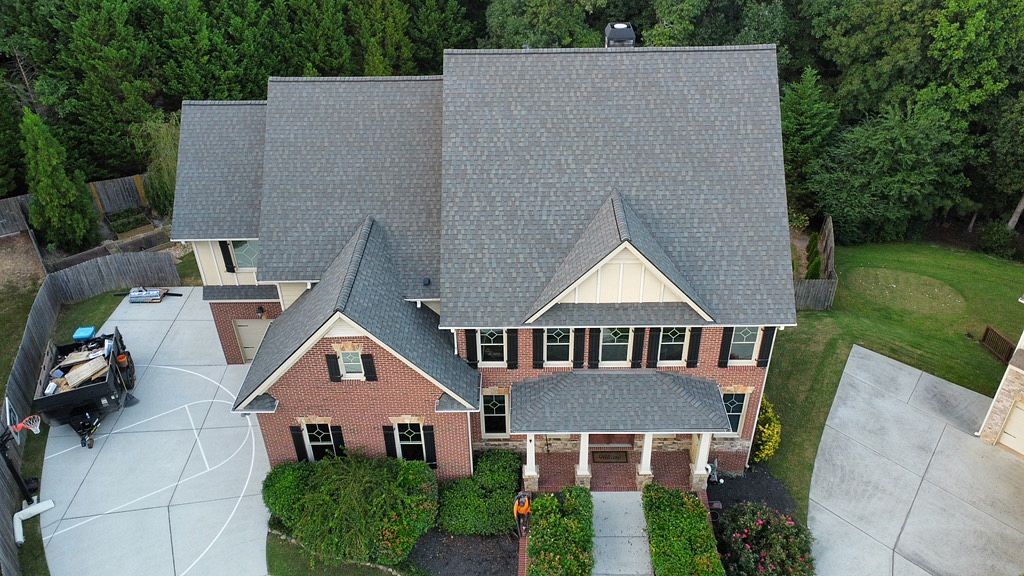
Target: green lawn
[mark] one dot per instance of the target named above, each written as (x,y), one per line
(188,270)
(31,554)
(912,302)
(91,312)
(286,559)
(15,302)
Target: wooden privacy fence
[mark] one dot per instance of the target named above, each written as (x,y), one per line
(1000,346)
(818,293)
(74,284)
(118,194)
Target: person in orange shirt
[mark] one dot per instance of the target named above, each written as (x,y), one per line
(521,512)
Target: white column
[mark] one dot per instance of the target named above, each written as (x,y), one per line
(700,451)
(531,456)
(645,456)
(584,465)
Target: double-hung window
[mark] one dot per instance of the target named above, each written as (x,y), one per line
(744,344)
(495,414)
(615,347)
(492,348)
(319,441)
(735,405)
(351,365)
(246,253)
(409,441)
(558,347)
(672,348)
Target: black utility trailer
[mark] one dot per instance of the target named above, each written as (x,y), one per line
(84,405)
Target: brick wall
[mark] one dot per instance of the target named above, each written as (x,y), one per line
(362,409)
(225,312)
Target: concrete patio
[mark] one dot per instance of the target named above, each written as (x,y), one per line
(901,486)
(173,483)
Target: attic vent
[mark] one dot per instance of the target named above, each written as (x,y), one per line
(619,35)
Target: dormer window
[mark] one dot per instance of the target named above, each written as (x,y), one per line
(615,347)
(492,348)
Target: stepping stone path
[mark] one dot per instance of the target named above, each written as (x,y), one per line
(620,535)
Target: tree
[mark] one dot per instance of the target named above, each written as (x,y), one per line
(1007,154)
(766,23)
(11,166)
(677,22)
(60,208)
(381,31)
(243,47)
(307,36)
(539,24)
(436,25)
(187,42)
(901,166)
(159,138)
(809,122)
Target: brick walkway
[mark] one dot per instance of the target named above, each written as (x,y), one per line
(522,555)
(558,471)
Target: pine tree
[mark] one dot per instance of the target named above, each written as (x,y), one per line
(187,42)
(11,166)
(436,25)
(381,31)
(809,122)
(60,208)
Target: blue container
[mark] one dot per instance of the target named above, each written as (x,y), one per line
(83,333)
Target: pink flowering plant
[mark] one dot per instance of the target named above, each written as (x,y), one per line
(755,540)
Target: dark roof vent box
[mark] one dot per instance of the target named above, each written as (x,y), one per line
(619,35)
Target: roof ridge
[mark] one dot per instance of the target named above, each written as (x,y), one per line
(620,217)
(355,78)
(223,103)
(363,234)
(638,49)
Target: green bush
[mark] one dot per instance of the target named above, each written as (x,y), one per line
(768,435)
(283,489)
(997,240)
(681,540)
(562,535)
(798,220)
(126,220)
(482,505)
(758,541)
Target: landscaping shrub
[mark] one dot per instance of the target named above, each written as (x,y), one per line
(798,220)
(356,508)
(997,240)
(562,534)
(813,257)
(681,540)
(768,435)
(758,541)
(481,505)
(283,489)
(125,220)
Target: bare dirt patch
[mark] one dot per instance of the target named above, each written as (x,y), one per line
(443,555)
(757,485)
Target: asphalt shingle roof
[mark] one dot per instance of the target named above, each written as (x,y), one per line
(220,162)
(340,149)
(534,142)
(616,401)
(625,314)
(260,292)
(361,283)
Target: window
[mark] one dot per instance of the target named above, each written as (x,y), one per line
(615,346)
(351,365)
(495,415)
(319,442)
(246,252)
(492,347)
(410,441)
(734,406)
(744,340)
(672,349)
(558,346)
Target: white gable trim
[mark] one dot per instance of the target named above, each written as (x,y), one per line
(649,267)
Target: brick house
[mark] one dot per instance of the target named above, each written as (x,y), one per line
(581,255)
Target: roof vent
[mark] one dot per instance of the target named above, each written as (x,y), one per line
(426,280)
(619,35)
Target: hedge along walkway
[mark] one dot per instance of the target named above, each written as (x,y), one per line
(620,535)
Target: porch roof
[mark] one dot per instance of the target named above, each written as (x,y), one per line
(618,401)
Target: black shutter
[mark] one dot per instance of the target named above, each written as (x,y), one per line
(225,251)
(723,353)
(652,347)
(369,368)
(333,368)
(389,442)
(638,348)
(579,340)
(300,443)
(339,440)
(538,348)
(512,349)
(429,452)
(471,348)
(767,337)
(693,352)
(595,348)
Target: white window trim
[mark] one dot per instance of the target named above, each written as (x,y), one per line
(559,363)
(483,427)
(398,440)
(234,257)
(686,348)
(480,350)
(309,444)
(345,375)
(753,354)
(615,363)
(743,416)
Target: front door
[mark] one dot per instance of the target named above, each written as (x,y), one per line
(250,334)
(611,439)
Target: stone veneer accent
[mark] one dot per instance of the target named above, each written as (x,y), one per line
(1011,390)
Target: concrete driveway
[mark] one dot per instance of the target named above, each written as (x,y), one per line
(173,484)
(902,487)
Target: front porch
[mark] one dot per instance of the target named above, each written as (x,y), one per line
(671,469)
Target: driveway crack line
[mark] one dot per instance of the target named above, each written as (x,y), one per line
(199,442)
(918,491)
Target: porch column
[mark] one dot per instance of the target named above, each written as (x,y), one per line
(699,453)
(531,478)
(583,467)
(644,474)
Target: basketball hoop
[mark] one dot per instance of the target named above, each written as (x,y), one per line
(29,423)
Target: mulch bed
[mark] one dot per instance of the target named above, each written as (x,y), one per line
(757,485)
(442,555)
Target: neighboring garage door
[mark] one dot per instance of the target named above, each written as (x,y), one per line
(1013,431)
(250,334)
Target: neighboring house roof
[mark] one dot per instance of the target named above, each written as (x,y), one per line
(220,162)
(340,149)
(536,141)
(12,220)
(619,401)
(243,293)
(362,286)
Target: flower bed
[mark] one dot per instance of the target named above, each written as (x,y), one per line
(681,540)
(482,505)
(758,541)
(562,534)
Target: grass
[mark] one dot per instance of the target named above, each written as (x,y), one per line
(15,302)
(287,559)
(912,302)
(91,312)
(31,555)
(188,270)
